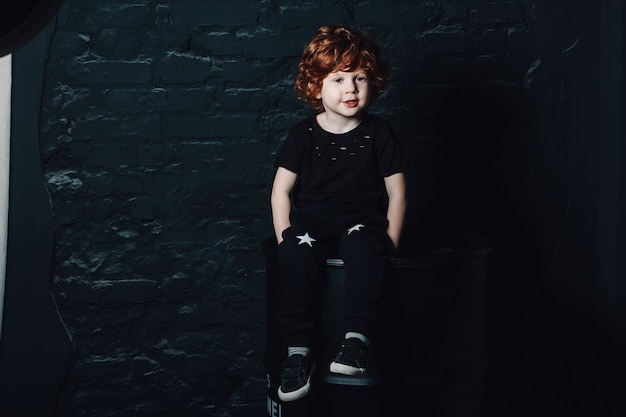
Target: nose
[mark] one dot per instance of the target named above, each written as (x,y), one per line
(351,86)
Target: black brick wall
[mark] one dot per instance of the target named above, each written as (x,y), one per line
(160,122)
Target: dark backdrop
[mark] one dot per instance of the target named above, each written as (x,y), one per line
(141,197)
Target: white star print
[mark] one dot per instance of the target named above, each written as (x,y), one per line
(355,228)
(305,238)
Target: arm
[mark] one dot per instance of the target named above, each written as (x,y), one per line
(281,200)
(396,190)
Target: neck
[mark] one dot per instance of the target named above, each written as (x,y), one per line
(338,124)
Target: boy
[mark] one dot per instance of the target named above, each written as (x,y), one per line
(343,170)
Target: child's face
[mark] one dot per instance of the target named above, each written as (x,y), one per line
(345,93)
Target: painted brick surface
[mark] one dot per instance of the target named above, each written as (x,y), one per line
(160,123)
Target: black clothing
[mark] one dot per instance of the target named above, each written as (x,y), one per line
(312,238)
(342,168)
(339,209)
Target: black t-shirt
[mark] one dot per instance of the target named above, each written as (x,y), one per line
(342,169)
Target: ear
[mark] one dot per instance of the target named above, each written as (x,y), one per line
(316,89)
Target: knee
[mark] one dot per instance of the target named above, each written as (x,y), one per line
(363,243)
(290,253)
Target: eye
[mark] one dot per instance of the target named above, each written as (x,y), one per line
(361,78)
(337,80)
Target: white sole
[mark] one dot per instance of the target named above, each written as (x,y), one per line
(340,368)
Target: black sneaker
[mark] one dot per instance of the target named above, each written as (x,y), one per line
(295,378)
(351,359)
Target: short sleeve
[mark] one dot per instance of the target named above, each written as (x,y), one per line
(292,153)
(391,158)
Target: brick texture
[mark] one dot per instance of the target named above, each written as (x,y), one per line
(160,123)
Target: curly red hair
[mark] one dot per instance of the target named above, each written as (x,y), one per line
(335,48)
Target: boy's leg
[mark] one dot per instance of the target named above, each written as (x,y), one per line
(301,255)
(364,252)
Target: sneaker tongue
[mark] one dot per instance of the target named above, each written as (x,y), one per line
(295,359)
(293,372)
(293,365)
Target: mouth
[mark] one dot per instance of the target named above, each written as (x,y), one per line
(351,103)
